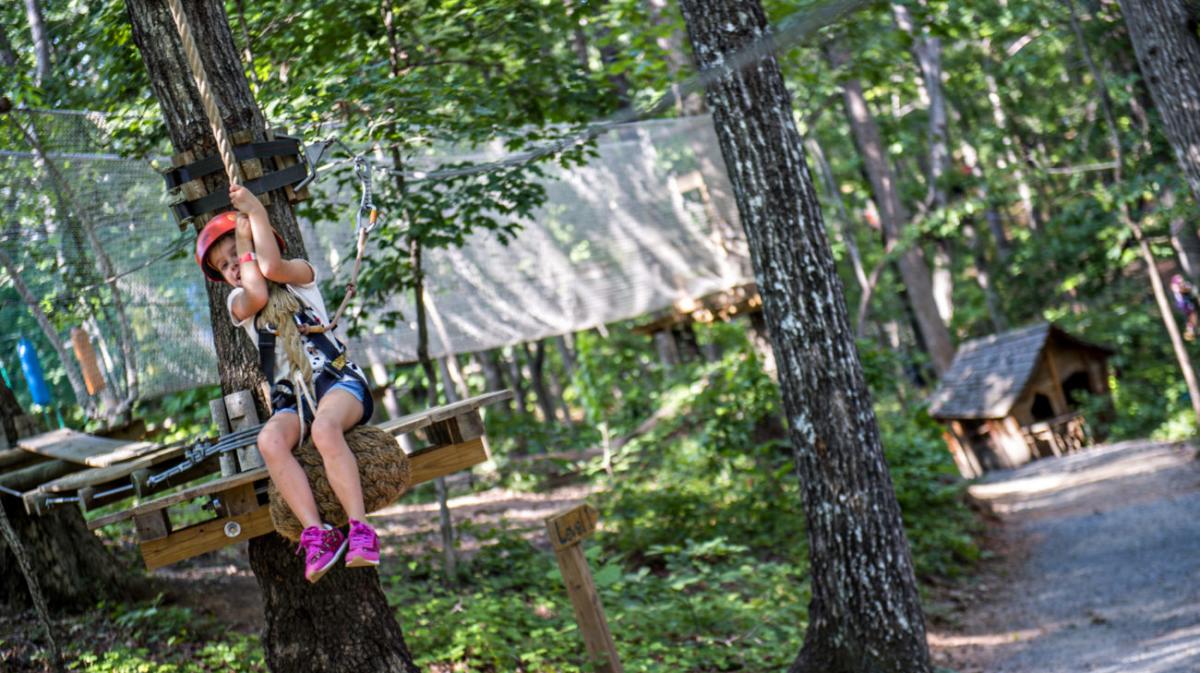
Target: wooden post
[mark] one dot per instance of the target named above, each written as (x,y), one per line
(567,530)
(241,412)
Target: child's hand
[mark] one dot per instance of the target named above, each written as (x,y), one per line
(244,200)
(244,230)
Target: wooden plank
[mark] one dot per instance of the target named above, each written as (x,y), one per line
(152,525)
(205,537)
(589,613)
(207,488)
(572,526)
(236,501)
(406,424)
(77,447)
(470,404)
(438,461)
(104,475)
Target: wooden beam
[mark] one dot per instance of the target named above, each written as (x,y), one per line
(438,461)
(205,537)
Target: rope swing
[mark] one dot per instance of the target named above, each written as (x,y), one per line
(208,99)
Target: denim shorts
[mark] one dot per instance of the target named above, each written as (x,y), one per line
(348,383)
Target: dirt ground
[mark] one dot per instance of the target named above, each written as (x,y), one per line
(1096,568)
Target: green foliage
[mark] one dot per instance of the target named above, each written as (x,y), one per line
(156,638)
(512,612)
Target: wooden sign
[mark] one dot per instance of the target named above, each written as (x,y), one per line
(566,531)
(572,526)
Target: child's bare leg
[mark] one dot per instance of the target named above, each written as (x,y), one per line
(337,412)
(276,441)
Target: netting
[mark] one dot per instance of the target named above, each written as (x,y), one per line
(647,224)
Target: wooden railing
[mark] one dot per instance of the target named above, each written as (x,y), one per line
(1057,436)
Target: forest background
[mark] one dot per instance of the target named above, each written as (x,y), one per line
(1015,197)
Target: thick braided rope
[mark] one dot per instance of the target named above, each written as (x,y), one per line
(207,97)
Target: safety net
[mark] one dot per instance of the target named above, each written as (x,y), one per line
(647,224)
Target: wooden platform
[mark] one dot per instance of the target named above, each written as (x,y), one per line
(717,306)
(77,447)
(456,442)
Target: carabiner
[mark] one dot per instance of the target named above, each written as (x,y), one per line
(366,205)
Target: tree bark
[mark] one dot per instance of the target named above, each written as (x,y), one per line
(343,623)
(1164,34)
(914,270)
(865,615)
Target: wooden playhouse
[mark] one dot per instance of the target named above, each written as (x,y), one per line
(1013,397)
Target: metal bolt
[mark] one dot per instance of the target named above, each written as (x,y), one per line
(233,529)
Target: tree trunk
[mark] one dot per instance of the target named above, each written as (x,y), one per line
(1156,284)
(72,565)
(567,355)
(518,381)
(1164,34)
(865,614)
(343,623)
(927,53)
(41,41)
(537,379)
(914,271)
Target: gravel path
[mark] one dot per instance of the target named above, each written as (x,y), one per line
(1101,567)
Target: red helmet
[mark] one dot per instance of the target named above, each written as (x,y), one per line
(211,233)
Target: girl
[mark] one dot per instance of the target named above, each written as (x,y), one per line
(243,250)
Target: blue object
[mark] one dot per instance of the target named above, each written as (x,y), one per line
(33,372)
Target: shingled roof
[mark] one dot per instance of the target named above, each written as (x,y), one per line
(989,374)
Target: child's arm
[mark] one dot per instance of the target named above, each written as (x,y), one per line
(270,260)
(253,296)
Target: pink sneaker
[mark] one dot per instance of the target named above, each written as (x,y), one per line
(364,546)
(322,547)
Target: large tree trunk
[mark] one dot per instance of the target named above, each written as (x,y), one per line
(1164,34)
(342,623)
(1127,218)
(865,614)
(914,270)
(71,564)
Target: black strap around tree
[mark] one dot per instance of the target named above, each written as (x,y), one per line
(281,146)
